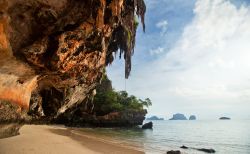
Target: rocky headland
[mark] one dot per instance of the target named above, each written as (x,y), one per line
(53,54)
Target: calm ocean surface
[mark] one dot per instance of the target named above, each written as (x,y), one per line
(226,137)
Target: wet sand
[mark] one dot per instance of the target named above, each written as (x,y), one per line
(44,139)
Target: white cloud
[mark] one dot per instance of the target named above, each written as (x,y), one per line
(156,51)
(163,25)
(214,46)
(208,67)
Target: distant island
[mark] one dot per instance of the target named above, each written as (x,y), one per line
(178,116)
(192,117)
(225,118)
(154,118)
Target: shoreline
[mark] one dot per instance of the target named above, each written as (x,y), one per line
(42,139)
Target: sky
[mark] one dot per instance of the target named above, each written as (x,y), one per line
(193,59)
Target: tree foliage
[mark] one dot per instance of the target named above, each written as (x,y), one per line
(108,100)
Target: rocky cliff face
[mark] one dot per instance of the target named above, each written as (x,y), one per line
(53,52)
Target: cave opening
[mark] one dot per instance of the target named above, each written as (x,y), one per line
(52,100)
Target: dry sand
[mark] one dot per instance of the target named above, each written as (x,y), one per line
(43,139)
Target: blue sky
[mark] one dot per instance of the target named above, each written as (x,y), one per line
(193,59)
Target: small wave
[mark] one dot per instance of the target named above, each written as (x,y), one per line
(106,140)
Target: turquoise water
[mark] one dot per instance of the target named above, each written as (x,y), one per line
(226,137)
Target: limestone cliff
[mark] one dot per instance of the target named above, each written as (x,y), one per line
(53,52)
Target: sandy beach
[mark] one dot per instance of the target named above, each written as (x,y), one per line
(44,139)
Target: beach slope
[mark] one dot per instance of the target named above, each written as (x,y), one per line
(42,139)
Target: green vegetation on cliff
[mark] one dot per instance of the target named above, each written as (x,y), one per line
(108,100)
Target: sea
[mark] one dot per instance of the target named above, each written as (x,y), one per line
(224,136)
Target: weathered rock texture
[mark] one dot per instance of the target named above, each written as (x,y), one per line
(53,52)
(9,130)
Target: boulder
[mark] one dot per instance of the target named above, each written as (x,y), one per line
(174,152)
(184,147)
(148,125)
(207,150)
(9,130)
(199,149)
